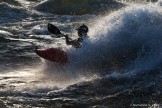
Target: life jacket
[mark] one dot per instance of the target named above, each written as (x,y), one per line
(77,43)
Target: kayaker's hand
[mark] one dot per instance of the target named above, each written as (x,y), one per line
(66,36)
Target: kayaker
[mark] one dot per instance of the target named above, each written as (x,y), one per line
(82,35)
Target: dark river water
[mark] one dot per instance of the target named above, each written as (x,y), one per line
(119,67)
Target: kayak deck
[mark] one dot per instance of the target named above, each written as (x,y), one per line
(53,54)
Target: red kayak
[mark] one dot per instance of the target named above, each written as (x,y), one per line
(53,54)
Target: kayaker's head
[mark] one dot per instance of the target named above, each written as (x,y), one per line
(82,30)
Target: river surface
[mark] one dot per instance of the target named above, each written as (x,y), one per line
(119,67)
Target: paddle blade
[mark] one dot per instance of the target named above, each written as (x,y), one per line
(53,29)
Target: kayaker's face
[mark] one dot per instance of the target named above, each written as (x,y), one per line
(81,33)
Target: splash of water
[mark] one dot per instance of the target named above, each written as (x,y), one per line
(125,40)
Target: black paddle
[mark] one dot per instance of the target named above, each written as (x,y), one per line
(53,29)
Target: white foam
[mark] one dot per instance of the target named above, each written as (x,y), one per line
(122,41)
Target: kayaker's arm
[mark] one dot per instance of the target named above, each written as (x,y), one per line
(68,40)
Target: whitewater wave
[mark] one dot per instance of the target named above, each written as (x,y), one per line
(129,36)
(124,41)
